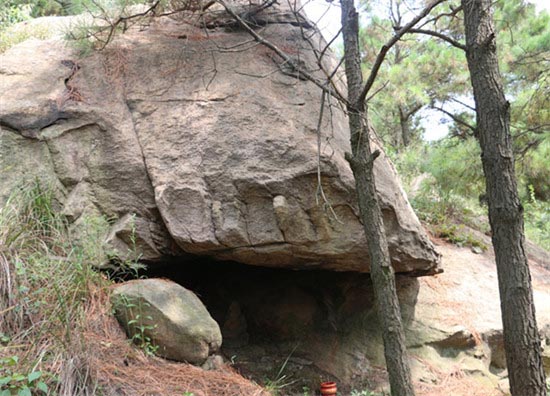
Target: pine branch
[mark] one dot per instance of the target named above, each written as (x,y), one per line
(442,36)
(386,47)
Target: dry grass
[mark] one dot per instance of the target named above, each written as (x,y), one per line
(101,361)
(453,382)
(122,369)
(457,384)
(55,315)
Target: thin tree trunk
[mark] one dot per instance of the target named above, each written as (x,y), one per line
(361,161)
(521,337)
(405,128)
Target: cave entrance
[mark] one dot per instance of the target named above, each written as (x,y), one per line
(286,328)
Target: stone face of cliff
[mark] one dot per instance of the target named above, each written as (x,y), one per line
(197,141)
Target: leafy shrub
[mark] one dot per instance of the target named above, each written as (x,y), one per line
(456,166)
(444,187)
(11,13)
(35,8)
(15,383)
(445,182)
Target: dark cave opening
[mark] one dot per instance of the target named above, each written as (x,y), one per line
(302,325)
(276,304)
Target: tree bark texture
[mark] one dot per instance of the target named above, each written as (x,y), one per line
(405,127)
(521,336)
(361,161)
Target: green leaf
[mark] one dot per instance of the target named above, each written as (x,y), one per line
(42,386)
(18,377)
(5,392)
(5,380)
(12,360)
(25,391)
(34,376)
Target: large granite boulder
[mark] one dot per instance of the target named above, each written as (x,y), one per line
(167,318)
(196,141)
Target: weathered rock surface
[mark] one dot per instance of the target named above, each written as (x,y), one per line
(457,326)
(322,325)
(172,317)
(213,149)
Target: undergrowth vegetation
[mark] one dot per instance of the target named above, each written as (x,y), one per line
(46,282)
(18,23)
(445,184)
(57,332)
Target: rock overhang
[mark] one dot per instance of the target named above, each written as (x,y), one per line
(201,150)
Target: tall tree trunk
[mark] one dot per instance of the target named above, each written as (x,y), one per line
(521,337)
(361,161)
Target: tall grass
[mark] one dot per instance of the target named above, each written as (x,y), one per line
(56,326)
(46,281)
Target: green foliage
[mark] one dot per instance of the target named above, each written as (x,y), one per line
(275,386)
(457,235)
(140,326)
(11,35)
(46,280)
(140,337)
(101,20)
(524,51)
(14,11)
(537,221)
(281,380)
(444,215)
(423,72)
(105,19)
(445,179)
(48,285)
(456,166)
(445,182)
(11,12)
(15,383)
(417,72)
(39,8)
(534,172)
(442,171)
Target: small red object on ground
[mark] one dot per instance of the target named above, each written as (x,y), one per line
(328,388)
